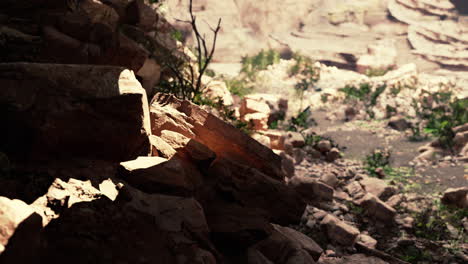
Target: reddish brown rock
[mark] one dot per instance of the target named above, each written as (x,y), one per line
(250,187)
(53,110)
(378,188)
(187,147)
(169,113)
(311,189)
(456,196)
(158,175)
(339,232)
(377,209)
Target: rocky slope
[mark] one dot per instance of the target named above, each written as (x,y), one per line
(98,168)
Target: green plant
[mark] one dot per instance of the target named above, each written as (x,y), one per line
(377,159)
(375,72)
(301,121)
(306,73)
(238,87)
(441,112)
(431,223)
(177,35)
(365,93)
(252,65)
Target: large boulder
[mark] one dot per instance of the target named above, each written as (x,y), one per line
(52,110)
(170,113)
(251,188)
(20,232)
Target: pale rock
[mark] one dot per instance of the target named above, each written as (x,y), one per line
(338,231)
(264,140)
(377,209)
(377,187)
(218,90)
(295,139)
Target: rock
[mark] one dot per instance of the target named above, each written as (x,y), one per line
(313,153)
(218,90)
(54,111)
(287,164)
(253,104)
(354,259)
(355,189)
(295,139)
(169,113)
(158,175)
(299,155)
(264,140)
(399,123)
(259,121)
(456,196)
(140,14)
(282,246)
(256,257)
(330,179)
(333,155)
(377,187)
(160,148)
(381,56)
(395,200)
(311,189)
(338,231)
(235,226)
(284,206)
(350,113)
(324,146)
(190,148)
(367,240)
(20,236)
(150,73)
(377,209)
(304,241)
(276,139)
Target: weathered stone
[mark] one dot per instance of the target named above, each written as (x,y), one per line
(333,155)
(377,209)
(160,148)
(295,139)
(264,140)
(254,189)
(20,232)
(456,196)
(330,179)
(235,226)
(302,240)
(138,13)
(169,113)
(399,123)
(276,139)
(377,187)
(338,231)
(324,146)
(157,175)
(217,90)
(367,240)
(281,247)
(54,110)
(355,189)
(191,148)
(259,121)
(311,189)
(287,164)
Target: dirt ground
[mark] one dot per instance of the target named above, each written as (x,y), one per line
(359,138)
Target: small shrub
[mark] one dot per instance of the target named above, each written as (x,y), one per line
(365,93)
(377,72)
(301,121)
(252,65)
(238,87)
(379,158)
(440,113)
